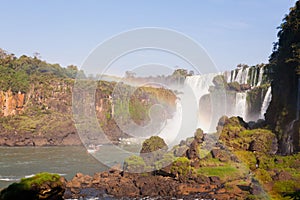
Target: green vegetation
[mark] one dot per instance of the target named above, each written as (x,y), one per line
(154,143)
(38,179)
(284,187)
(181,167)
(16,74)
(278,175)
(134,164)
(153,150)
(225,172)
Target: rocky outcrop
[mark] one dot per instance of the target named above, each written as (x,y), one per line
(236,134)
(115,183)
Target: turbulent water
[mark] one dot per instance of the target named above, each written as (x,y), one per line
(19,162)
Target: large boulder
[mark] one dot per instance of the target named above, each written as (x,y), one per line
(153,149)
(43,186)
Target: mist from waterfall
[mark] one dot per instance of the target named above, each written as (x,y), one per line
(172,126)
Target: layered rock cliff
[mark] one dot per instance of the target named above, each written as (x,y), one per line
(43,115)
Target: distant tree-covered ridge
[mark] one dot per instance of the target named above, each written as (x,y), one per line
(16,73)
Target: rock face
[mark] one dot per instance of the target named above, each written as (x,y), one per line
(11,104)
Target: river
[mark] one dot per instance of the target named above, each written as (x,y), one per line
(18,162)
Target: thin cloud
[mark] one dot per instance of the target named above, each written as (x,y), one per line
(233,25)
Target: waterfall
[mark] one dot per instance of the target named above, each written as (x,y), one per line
(211,106)
(253,80)
(260,76)
(200,84)
(244,78)
(239,76)
(241,105)
(246,75)
(265,103)
(228,76)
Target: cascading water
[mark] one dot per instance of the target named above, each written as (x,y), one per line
(241,105)
(244,77)
(261,72)
(235,103)
(265,103)
(233,76)
(200,84)
(239,75)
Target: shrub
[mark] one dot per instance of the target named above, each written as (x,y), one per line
(248,158)
(134,164)
(263,176)
(283,187)
(181,167)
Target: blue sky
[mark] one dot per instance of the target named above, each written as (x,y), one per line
(65,32)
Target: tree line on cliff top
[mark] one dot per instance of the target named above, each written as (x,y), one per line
(16,74)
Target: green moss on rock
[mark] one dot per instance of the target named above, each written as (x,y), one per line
(41,186)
